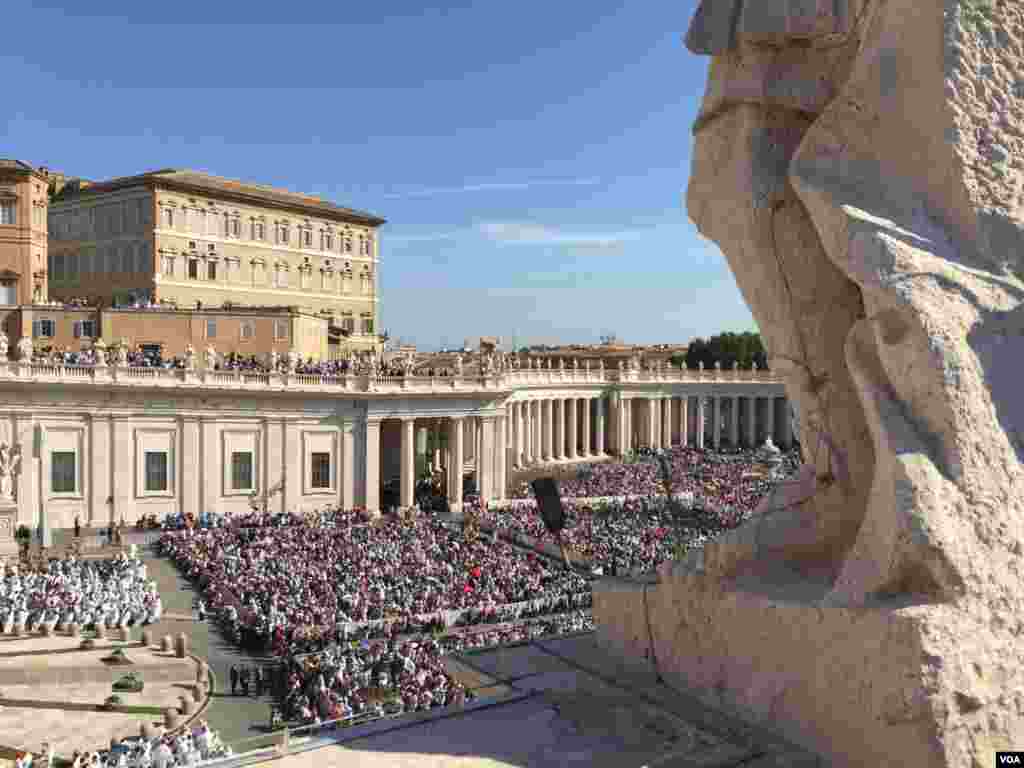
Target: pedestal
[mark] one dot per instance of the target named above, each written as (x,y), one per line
(8,525)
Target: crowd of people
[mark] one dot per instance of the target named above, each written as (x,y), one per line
(294,582)
(639,526)
(190,747)
(90,593)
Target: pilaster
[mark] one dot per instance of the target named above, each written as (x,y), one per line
(716,422)
(684,421)
(294,463)
(455,470)
(209,468)
(700,422)
(408,469)
(99,467)
(769,418)
(751,422)
(599,408)
(734,422)
(371,474)
(190,496)
(348,465)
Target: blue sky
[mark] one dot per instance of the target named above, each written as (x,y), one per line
(531,158)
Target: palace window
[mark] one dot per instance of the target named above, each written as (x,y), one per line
(326,241)
(281,330)
(282,234)
(169,218)
(45,329)
(211,329)
(257,230)
(167,265)
(156,471)
(8,212)
(211,270)
(321,466)
(193,269)
(84,329)
(326,279)
(236,227)
(304,278)
(348,322)
(62,472)
(241,470)
(259,272)
(348,242)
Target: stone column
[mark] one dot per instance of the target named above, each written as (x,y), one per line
(549,430)
(348,466)
(455,435)
(372,442)
(518,419)
(538,429)
(408,465)
(716,421)
(786,426)
(500,453)
(654,422)
(627,425)
(734,422)
(527,406)
(586,426)
(684,421)
(699,435)
(769,420)
(558,422)
(599,408)
(571,427)
(751,422)
(667,420)
(484,460)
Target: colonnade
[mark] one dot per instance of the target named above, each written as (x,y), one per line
(566,428)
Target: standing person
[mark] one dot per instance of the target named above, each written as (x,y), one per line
(234,679)
(257,679)
(78,528)
(243,678)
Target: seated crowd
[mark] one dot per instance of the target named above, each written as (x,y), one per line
(90,593)
(191,747)
(639,526)
(332,576)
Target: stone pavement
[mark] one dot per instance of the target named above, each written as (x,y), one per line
(570,705)
(234,717)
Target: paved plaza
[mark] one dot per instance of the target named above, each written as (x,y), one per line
(565,703)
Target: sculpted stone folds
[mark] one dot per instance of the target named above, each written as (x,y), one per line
(859,164)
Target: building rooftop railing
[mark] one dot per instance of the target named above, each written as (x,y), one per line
(127,376)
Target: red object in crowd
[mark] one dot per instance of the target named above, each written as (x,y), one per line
(476,572)
(467,589)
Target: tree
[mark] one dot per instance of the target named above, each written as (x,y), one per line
(744,349)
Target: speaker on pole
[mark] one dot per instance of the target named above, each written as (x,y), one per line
(549,503)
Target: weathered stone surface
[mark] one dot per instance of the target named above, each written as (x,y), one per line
(181,645)
(861,171)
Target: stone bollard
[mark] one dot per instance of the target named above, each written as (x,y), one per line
(166,644)
(202,672)
(181,645)
(124,634)
(147,638)
(101,632)
(75,630)
(171,719)
(47,630)
(19,629)
(188,704)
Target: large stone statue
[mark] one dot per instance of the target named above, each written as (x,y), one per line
(458,365)
(190,357)
(3,346)
(25,349)
(211,357)
(10,461)
(859,164)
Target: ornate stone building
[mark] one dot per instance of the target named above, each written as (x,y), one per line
(189,238)
(109,442)
(23,236)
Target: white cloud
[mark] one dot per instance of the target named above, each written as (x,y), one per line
(525,233)
(427,237)
(493,186)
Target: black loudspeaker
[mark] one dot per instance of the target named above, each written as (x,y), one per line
(549,503)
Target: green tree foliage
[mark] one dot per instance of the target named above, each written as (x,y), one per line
(743,348)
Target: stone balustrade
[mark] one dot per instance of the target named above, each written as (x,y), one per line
(235,379)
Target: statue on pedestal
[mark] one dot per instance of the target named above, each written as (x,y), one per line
(275,360)
(10,462)
(3,346)
(458,365)
(122,355)
(25,349)
(190,357)
(99,350)
(211,357)
(293,360)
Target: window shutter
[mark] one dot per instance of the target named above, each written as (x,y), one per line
(35,328)
(77,325)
